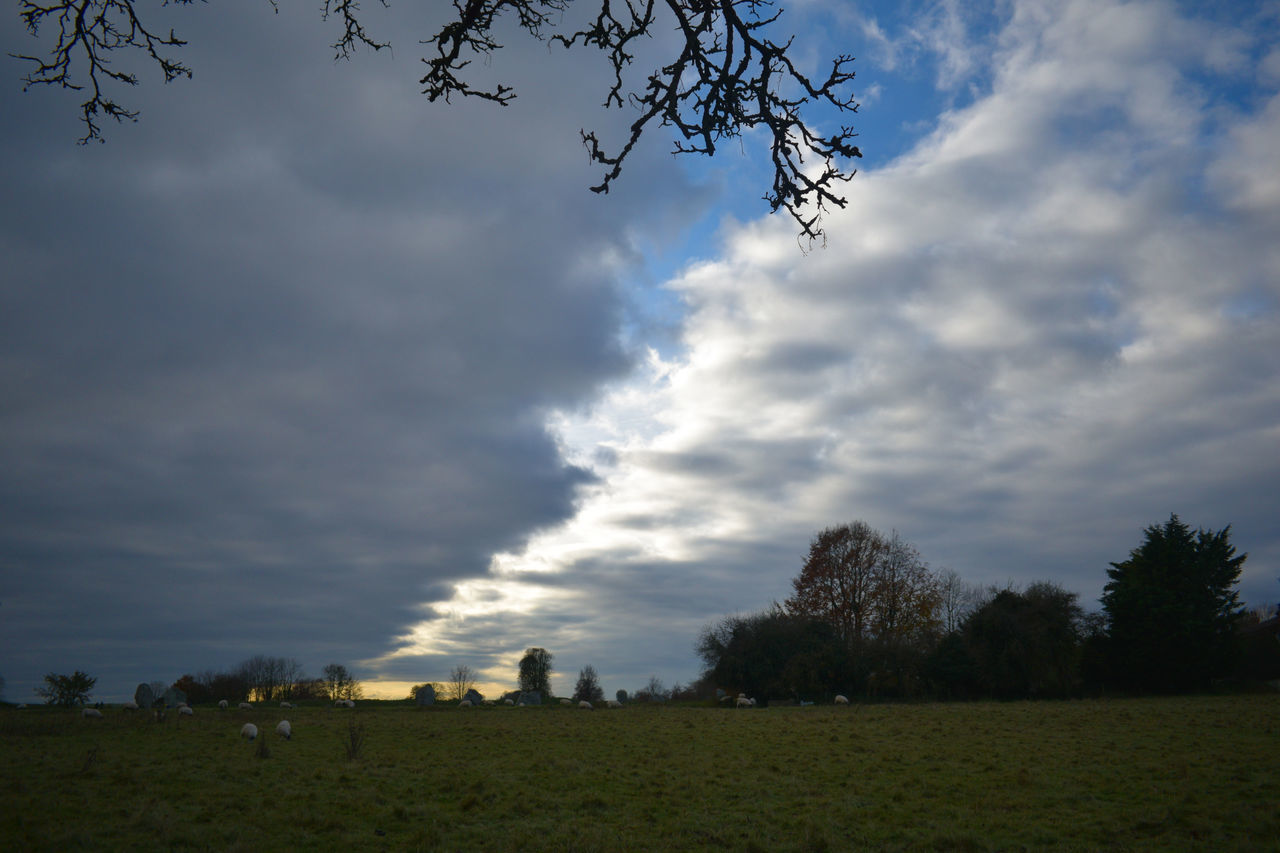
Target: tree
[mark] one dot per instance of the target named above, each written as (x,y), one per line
(727,77)
(197,692)
(535,671)
(340,684)
(461,679)
(906,598)
(1172,606)
(837,582)
(956,599)
(588,686)
(1027,644)
(66,691)
(774,654)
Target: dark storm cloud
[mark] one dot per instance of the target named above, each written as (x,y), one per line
(273,361)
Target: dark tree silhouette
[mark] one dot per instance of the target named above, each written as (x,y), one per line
(461,679)
(588,688)
(1026,644)
(728,76)
(535,671)
(1172,607)
(66,690)
(340,683)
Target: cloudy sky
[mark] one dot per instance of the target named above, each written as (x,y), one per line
(302,365)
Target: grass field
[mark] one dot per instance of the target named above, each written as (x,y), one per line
(1154,774)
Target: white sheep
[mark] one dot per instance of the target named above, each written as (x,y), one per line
(248,731)
(345,703)
(585,705)
(465,703)
(185,711)
(744,702)
(286,704)
(508,701)
(222,703)
(284,729)
(614,703)
(566,701)
(841,699)
(245,706)
(92,713)
(130,705)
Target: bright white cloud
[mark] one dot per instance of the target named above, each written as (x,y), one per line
(1029,337)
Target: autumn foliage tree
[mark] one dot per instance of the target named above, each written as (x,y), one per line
(876,593)
(837,582)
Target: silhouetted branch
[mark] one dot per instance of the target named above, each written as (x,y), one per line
(728,77)
(91,29)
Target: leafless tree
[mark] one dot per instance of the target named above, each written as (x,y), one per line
(341,684)
(959,599)
(728,75)
(461,679)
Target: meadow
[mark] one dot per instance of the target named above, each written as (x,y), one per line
(1195,773)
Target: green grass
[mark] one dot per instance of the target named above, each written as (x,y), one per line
(1144,774)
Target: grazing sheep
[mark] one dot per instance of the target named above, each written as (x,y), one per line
(842,699)
(130,706)
(245,706)
(286,704)
(345,703)
(585,705)
(185,711)
(465,703)
(222,703)
(614,703)
(284,729)
(744,702)
(92,713)
(508,701)
(248,731)
(21,706)
(566,701)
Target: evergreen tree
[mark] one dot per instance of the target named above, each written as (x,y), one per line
(588,688)
(1171,608)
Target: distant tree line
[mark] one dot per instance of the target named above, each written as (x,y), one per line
(867,617)
(263,678)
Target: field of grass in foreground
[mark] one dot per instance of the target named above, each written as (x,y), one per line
(1157,774)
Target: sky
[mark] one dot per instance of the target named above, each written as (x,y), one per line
(302,365)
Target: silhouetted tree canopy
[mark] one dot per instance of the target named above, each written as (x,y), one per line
(588,687)
(1025,644)
(1172,608)
(728,75)
(66,690)
(535,671)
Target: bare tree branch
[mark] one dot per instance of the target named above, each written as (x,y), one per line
(729,77)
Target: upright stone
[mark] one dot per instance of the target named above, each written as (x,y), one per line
(473,696)
(143,696)
(173,697)
(426,695)
(530,697)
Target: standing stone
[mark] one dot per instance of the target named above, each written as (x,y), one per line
(143,696)
(173,697)
(530,697)
(473,696)
(426,695)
